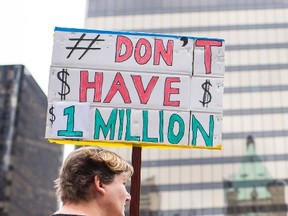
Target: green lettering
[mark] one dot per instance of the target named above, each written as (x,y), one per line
(100,124)
(69,132)
(196,125)
(145,137)
(128,136)
(175,138)
(121,117)
(161,122)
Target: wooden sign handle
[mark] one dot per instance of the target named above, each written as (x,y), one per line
(135,181)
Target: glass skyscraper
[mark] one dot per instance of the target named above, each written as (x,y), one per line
(249,176)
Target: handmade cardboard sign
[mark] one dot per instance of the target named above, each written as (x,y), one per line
(135,89)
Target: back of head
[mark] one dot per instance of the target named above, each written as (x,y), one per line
(77,173)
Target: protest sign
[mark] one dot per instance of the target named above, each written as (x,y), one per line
(130,88)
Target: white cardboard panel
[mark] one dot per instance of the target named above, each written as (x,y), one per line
(71,120)
(179,122)
(209,60)
(142,50)
(207,94)
(209,132)
(166,91)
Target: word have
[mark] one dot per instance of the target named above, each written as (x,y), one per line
(119,127)
(119,86)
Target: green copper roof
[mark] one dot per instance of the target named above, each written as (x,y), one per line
(251,179)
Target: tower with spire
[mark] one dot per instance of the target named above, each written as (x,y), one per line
(251,191)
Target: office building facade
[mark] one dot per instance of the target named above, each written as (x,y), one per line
(29,163)
(203,182)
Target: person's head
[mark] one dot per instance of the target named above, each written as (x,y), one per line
(84,167)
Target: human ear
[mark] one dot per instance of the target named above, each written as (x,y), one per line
(98,185)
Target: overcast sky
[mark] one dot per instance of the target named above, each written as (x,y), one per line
(26,34)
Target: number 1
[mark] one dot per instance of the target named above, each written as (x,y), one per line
(69,132)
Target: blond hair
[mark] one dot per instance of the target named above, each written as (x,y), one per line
(77,173)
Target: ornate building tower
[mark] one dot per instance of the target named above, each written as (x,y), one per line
(252,190)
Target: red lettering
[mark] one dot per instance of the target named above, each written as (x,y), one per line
(143,51)
(168,90)
(144,95)
(118,85)
(145,57)
(96,85)
(167,54)
(207,51)
(127,43)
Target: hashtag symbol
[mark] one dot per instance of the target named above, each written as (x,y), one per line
(79,40)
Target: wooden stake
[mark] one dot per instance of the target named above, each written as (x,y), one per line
(135,182)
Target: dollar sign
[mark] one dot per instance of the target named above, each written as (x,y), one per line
(53,117)
(207,95)
(65,88)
